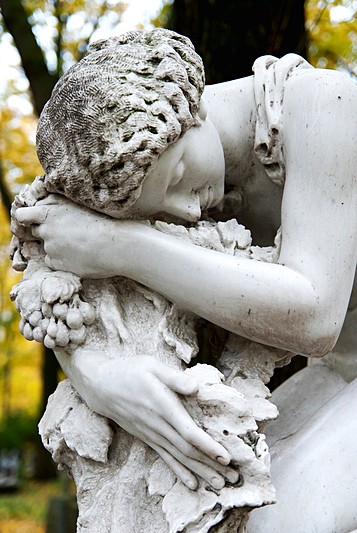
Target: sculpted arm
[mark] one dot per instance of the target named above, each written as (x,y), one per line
(319,211)
(250,298)
(300,303)
(308,290)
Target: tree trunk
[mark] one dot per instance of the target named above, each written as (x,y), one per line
(32,57)
(230,35)
(5,193)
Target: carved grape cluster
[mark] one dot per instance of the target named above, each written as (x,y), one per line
(61,324)
(51,309)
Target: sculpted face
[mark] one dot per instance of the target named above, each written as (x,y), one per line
(187,178)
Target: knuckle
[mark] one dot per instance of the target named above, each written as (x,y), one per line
(188,432)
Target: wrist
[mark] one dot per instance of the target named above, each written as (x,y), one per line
(83,369)
(126,255)
(112,248)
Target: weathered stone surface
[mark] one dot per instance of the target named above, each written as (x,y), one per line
(230,414)
(145,145)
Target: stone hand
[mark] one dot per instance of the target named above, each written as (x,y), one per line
(75,239)
(140,394)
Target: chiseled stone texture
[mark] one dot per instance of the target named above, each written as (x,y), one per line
(122,485)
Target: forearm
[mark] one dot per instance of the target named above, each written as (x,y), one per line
(298,305)
(268,303)
(82,368)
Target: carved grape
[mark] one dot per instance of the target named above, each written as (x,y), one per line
(35,318)
(77,336)
(53,321)
(38,334)
(44,325)
(21,325)
(74,318)
(27,332)
(87,312)
(60,310)
(46,310)
(62,337)
(52,328)
(49,342)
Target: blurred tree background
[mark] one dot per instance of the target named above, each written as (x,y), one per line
(40,39)
(47,37)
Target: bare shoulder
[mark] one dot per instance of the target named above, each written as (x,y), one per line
(319,121)
(318,88)
(319,117)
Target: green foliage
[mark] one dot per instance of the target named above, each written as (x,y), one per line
(25,511)
(18,430)
(332,33)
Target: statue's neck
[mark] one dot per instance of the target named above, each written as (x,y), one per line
(231,107)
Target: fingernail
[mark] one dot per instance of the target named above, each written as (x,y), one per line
(217,482)
(223,460)
(191,484)
(232,476)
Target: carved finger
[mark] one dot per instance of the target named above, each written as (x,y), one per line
(201,440)
(181,471)
(176,415)
(189,451)
(210,475)
(176,380)
(31,215)
(169,432)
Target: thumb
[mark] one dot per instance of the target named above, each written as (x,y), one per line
(31,215)
(177,380)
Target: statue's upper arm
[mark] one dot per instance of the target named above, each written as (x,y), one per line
(319,212)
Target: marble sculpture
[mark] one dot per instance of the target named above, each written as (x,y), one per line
(165,202)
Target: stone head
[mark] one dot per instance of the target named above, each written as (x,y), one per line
(114,113)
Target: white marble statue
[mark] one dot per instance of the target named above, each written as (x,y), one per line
(112,470)
(128,134)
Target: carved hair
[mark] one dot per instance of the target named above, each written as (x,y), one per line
(112,114)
